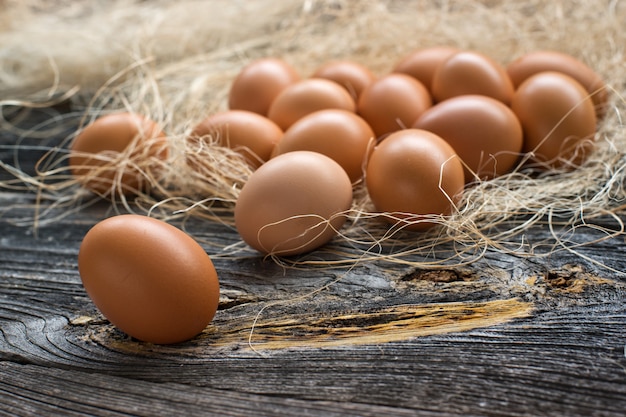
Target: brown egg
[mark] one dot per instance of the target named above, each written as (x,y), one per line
(252,135)
(353,76)
(308,96)
(258,84)
(558,119)
(149,278)
(483,131)
(469,72)
(423,62)
(412,176)
(294,203)
(338,134)
(393,102)
(541,61)
(117,153)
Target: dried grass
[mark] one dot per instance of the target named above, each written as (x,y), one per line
(174,62)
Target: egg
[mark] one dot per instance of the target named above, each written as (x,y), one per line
(470,72)
(483,131)
(252,135)
(148,278)
(353,76)
(118,152)
(541,61)
(293,204)
(258,83)
(339,134)
(422,63)
(393,102)
(558,118)
(308,96)
(412,176)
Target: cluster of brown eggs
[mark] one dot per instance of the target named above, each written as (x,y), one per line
(411,96)
(441,119)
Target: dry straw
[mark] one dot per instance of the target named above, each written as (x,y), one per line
(174,62)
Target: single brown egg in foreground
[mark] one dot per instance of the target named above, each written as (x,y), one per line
(148,278)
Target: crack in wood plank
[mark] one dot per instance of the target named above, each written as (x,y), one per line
(394,323)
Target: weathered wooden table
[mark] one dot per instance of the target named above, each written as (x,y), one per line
(504,335)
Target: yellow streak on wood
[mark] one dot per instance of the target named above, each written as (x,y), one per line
(395,323)
(81,320)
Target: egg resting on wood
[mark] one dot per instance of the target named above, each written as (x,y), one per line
(148,278)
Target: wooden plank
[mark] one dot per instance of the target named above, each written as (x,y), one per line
(566,358)
(70,393)
(504,335)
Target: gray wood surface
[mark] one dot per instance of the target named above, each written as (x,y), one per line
(503,336)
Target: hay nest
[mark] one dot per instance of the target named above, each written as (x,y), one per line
(174,62)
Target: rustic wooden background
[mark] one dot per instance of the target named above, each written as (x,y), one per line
(505,335)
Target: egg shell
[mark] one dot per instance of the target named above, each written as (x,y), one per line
(542,61)
(258,83)
(148,278)
(484,132)
(252,135)
(293,204)
(422,63)
(393,102)
(469,72)
(109,154)
(339,134)
(412,175)
(558,119)
(353,76)
(308,96)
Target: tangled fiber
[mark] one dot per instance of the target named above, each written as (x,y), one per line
(174,62)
